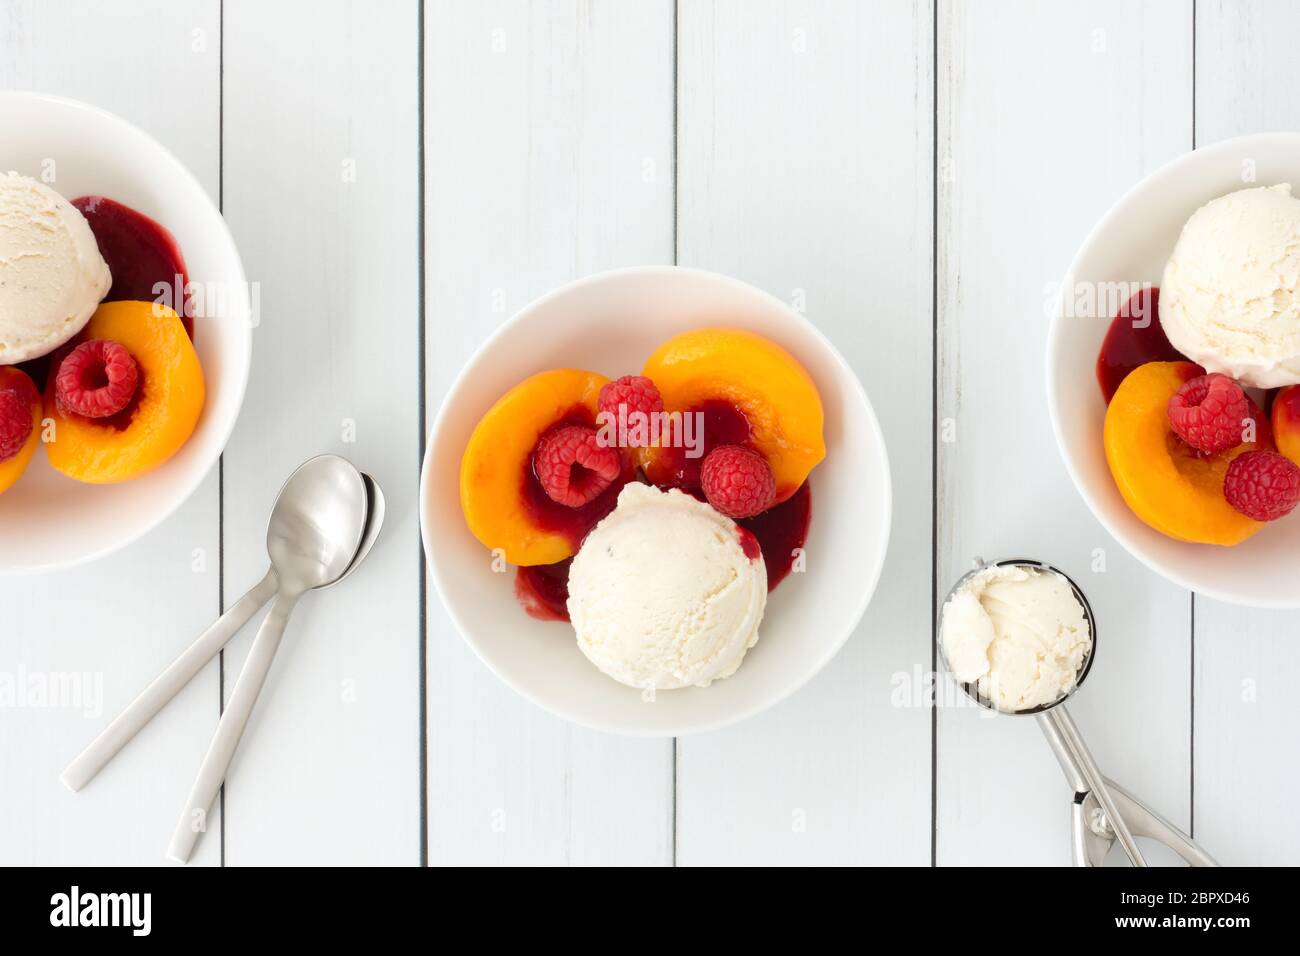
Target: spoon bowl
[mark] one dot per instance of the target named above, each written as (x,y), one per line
(318,524)
(376,508)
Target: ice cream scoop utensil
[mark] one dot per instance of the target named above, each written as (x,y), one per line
(193,659)
(1102,811)
(316,529)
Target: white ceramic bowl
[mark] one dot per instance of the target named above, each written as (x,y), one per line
(610,323)
(49,521)
(1131,244)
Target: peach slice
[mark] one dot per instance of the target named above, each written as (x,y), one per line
(1286,422)
(12,468)
(751,392)
(500,496)
(160,418)
(1167,483)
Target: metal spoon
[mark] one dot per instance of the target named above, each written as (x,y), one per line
(316,530)
(193,659)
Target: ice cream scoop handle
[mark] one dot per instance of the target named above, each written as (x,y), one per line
(1143,821)
(166,686)
(1086,767)
(230,728)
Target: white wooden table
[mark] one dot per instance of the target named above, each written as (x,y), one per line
(917,175)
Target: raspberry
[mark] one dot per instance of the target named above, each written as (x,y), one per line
(1262,485)
(737,481)
(1208,411)
(633,394)
(17,398)
(97,379)
(573,467)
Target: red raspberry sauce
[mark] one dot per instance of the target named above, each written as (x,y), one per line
(543,590)
(780,531)
(1134,338)
(724,424)
(140,254)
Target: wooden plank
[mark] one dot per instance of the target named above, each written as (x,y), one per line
(1245,718)
(1047,113)
(111,626)
(322,173)
(804,167)
(549,156)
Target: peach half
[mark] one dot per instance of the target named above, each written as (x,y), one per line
(500,496)
(750,391)
(161,416)
(1175,489)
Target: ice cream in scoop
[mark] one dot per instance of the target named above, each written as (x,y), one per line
(1020,632)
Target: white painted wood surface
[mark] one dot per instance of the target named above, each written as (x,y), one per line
(797,144)
(322,194)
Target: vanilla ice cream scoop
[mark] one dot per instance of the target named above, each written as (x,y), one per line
(666,592)
(1229,299)
(51,273)
(1020,632)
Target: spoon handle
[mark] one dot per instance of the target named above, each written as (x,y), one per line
(166,686)
(212,772)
